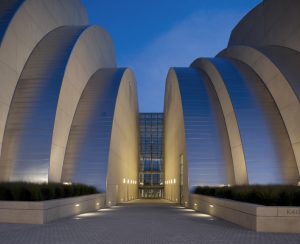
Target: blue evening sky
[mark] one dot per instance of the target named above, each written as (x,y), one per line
(152,35)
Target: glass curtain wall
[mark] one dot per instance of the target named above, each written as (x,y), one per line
(151,176)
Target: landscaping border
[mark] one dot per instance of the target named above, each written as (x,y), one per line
(251,216)
(47,211)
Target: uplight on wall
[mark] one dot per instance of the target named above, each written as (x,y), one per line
(67,183)
(128,181)
(174,181)
(124,180)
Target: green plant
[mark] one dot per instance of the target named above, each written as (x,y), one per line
(269,195)
(24,191)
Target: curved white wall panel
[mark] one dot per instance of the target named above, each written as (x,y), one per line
(25,25)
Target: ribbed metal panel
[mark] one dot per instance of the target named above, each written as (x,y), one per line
(28,133)
(8,8)
(267,148)
(87,153)
(207,143)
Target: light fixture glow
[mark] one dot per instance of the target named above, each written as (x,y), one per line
(124,180)
(174,181)
(203,215)
(67,183)
(77,205)
(210,205)
(97,204)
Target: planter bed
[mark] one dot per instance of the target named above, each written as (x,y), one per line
(252,216)
(41,212)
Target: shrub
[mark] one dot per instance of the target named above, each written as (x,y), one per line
(269,195)
(24,191)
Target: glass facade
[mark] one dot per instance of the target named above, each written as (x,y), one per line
(151,168)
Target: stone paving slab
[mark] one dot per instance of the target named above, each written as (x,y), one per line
(140,222)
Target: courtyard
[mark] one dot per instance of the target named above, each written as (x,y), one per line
(140,221)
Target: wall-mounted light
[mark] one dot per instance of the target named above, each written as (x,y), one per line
(77,205)
(210,205)
(67,183)
(97,204)
(174,181)
(124,180)
(127,181)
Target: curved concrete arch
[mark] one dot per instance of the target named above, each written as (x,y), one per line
(93,50)
(8,8)
(276,80)
(27,27)
(205,144)
(238,157)
(269,156)
(174,140)
(102,148)
(273,22)
(32,111)
(35,105)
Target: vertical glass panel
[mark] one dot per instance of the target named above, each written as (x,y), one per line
(151,139)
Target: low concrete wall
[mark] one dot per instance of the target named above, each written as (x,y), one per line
(47,211)
(252,216)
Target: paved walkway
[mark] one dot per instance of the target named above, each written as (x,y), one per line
(139,222)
